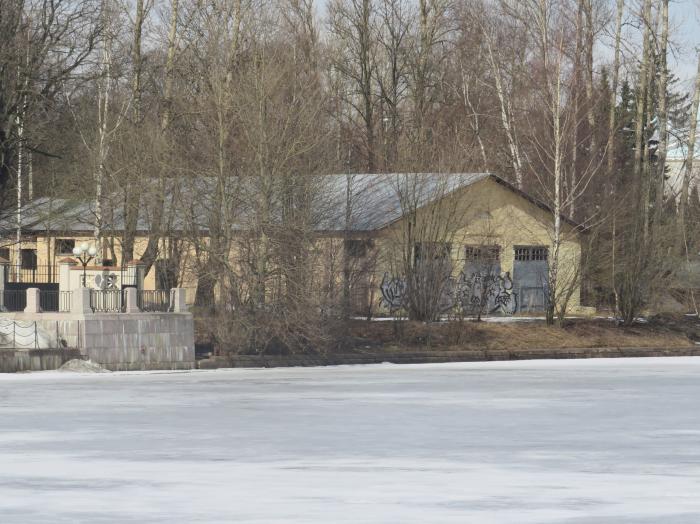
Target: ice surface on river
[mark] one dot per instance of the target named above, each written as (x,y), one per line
(579,442)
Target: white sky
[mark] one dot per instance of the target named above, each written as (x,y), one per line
(685,22)
(685,35)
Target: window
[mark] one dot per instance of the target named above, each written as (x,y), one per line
(481,253)
(28,258)
(356,248)
(432,251)
(522,253)
(525,253)
(166,274)
(539,253)
(5,253)
(108,262)
(64,246)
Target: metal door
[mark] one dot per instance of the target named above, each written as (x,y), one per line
(530,269)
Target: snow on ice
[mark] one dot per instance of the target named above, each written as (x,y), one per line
(577,442)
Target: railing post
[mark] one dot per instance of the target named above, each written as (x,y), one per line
(80,302)
(33,301)
(64,266)
(179,300)
(132,305)
(4,276)
(135,270)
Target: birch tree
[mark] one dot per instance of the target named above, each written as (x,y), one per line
(688,175)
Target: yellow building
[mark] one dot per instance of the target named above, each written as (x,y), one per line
(485,244)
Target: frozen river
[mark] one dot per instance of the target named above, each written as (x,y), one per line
(593,441)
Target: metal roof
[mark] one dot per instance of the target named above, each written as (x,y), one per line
(375,201)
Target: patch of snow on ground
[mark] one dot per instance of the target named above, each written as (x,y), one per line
(576,442)
(77,365)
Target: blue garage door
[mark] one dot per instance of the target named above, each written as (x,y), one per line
(530,269)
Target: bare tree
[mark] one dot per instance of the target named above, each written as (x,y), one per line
(42,46)
(354,59)
(688,175)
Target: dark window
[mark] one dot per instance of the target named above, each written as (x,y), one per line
(108,262)
(28,257)
(64,246)
(432,251)
(531,253)
(166,274)
(488,253)
(356,248)
(5,253)
(539,253)
(522,253)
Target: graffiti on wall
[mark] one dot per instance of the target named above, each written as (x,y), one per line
(487,293)
(472,292)
(394,293)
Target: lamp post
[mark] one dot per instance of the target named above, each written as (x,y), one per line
(85,254)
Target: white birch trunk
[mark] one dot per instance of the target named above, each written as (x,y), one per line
(506,110)
(688,176)
(663,115)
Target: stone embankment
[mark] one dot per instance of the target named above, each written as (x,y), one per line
(438,356)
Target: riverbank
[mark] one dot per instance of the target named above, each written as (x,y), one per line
(405,342)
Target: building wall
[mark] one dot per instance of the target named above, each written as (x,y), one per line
(483,213)
(487,213)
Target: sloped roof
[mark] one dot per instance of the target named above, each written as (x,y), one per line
(375,201)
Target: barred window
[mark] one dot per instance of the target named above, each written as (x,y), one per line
(482,253)
(525,253)
(522,253)
(539,253)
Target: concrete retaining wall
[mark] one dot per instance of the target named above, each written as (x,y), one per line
(14,360)
(123,341)
(438,356)
(140,340)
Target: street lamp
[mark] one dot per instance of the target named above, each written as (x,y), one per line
(85,253)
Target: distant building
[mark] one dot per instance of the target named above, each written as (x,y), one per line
(489,222)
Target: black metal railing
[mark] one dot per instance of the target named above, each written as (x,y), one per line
(107,301)
(153,301)
(55,300)
(13,300)
(18,334)
(33,275)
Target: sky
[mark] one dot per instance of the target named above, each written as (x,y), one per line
(684,27)
(685,22)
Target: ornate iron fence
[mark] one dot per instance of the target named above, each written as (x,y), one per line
(107,301)
(153,301)
(34,275)
(59,301)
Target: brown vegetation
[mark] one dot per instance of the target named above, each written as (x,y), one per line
(579,333)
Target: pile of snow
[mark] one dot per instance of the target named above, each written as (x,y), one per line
(82,366)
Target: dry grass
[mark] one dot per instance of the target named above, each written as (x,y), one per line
(396,336)
(516,336)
